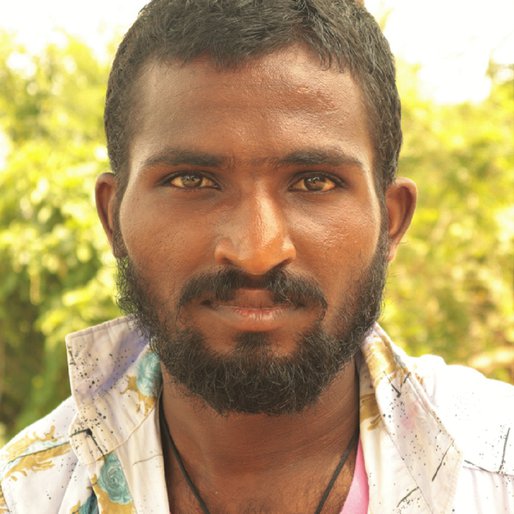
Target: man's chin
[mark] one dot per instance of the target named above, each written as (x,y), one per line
(252,379)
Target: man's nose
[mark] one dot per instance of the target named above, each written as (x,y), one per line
(256,238)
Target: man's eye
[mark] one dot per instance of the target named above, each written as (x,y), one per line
(315,183)
(191,181)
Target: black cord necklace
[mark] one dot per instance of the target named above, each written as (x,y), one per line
(196,493)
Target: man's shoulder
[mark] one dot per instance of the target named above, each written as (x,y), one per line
(38,454)
(43,435)
(477,411)
(449,385)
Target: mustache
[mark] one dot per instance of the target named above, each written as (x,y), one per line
(284,287)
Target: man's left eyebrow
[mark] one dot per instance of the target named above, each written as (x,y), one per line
(321,157)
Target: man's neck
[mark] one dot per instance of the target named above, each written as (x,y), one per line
(218,450)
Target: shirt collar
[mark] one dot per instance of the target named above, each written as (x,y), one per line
(408,451)
(115,381)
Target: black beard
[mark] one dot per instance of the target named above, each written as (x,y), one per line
(251,379)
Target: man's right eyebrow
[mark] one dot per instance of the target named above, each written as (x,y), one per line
(177,157)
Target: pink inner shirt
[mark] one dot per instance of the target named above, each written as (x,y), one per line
(358,496)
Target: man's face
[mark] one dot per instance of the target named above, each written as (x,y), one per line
(250,228)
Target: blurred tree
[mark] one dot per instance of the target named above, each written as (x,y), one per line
(450,291)
(54,277)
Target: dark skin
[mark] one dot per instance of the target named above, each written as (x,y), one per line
(267,165)
(281,464)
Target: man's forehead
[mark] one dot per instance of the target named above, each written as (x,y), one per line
(295,67)
(273,108)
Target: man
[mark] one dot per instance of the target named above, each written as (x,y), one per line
(252,209)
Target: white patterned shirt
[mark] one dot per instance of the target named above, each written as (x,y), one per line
(436,438)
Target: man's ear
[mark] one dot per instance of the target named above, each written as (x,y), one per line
(400,203)
(105,195)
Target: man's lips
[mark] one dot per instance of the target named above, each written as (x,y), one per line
(251,310)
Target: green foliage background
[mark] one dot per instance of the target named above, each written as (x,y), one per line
(450,291)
